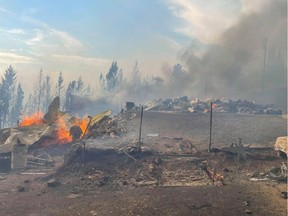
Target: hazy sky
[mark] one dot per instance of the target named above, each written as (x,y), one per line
(84,37)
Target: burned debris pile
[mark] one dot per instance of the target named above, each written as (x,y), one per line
(110,126)
(113,126)
(184,104)
(36,132)
(281,145)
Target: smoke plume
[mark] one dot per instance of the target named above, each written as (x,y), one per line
(248,61)
(234,66)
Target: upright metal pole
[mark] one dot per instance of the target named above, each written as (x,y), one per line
(140,130)
(84,144)
(210,138)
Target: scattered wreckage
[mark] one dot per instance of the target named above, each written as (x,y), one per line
(184,104)
(131,165)
(281,146)
(38,131)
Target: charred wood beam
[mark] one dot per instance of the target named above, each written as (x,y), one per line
(128,155)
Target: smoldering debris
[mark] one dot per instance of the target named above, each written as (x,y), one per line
(110,126)
(281,145)
(184,104)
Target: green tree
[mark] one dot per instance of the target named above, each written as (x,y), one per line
(7,88)
(47,93)
(60,88)
(29,107)
(16,110)
(38,93)
(80,86)
(71,89)
(113,79)
(177,72)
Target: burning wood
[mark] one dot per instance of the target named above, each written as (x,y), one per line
(34,119)
(281,145)
(36,129)
(109,126)
(215,177)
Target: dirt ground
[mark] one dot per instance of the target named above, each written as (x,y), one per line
(166,182)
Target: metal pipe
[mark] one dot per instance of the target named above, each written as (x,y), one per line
(90,119)
(210,137)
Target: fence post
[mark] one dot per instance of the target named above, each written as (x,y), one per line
(210,137)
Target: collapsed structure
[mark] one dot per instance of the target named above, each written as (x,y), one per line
(53,128)
(185,104)
(152,166)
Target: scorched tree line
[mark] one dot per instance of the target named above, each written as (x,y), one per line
(12,106)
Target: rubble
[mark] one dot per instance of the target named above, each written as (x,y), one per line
(215,177)
(53,111)
(53,183)
(247,211)
(40,131)
(55,132)
(122,164)
(42,159)
(239,150)
(21,188)
(284,194)
(184,104)
(281,145)
(110,126)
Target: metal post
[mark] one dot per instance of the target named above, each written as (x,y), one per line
(210,138)
(84,144)
(140,130)
(88,125)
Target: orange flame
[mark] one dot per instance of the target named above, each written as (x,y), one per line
(82,124)
(217,178)
(34,119)
(63,133)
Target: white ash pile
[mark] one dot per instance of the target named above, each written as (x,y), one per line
(184,104)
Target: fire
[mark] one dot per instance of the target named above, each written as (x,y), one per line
(63,133)
(81,123)
(63,128)
(34,119)
(217,178)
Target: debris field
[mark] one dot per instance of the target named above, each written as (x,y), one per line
(163,169)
